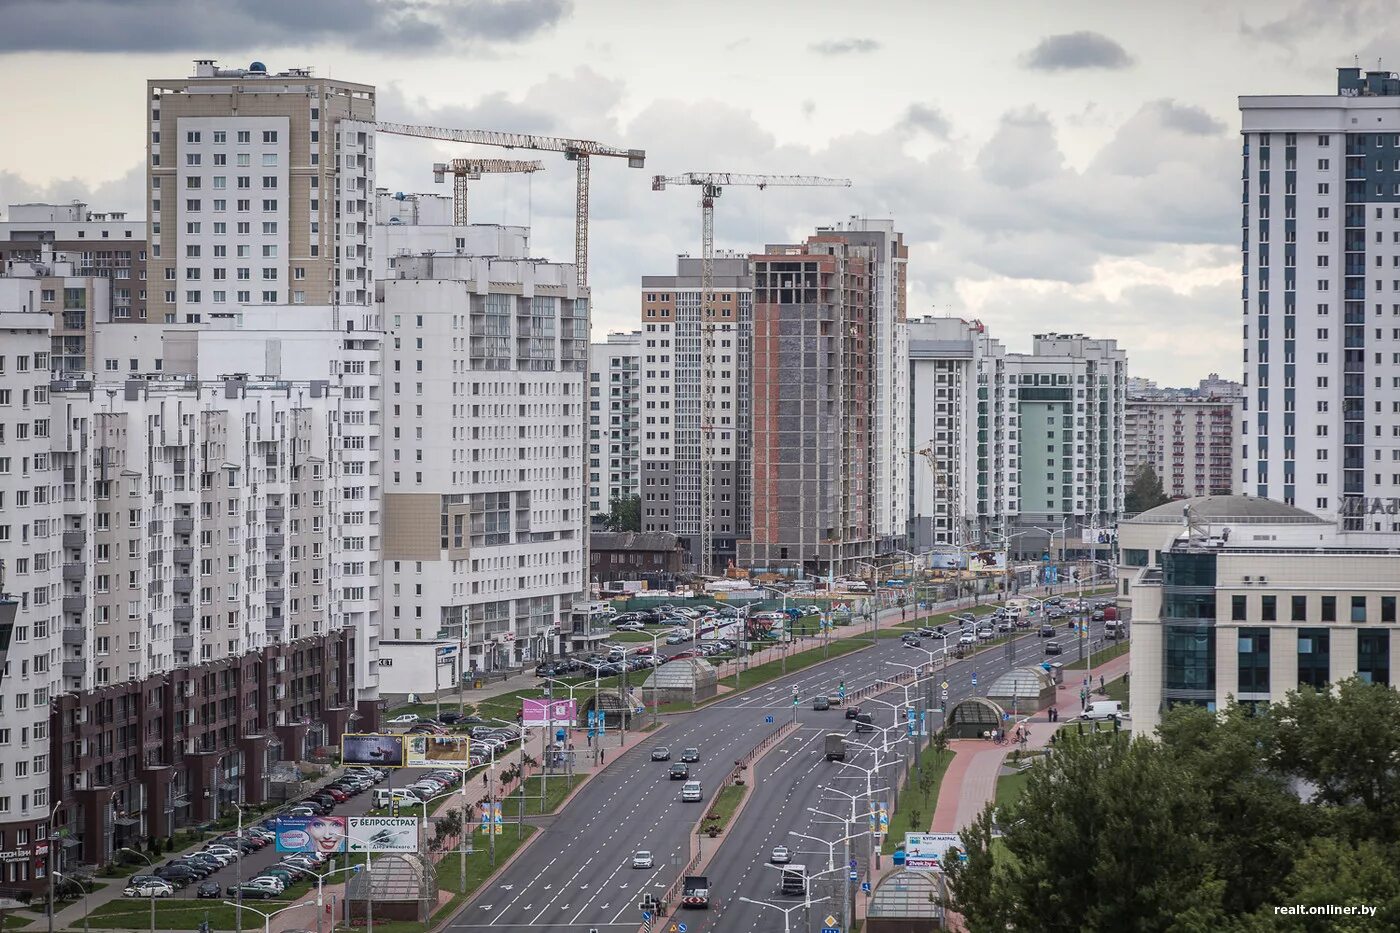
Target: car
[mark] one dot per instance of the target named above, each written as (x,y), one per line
(1096,616)
(910,642)
(407,719)
(820,704)
(967,638)
(985,634)
(852,712)
(661,753)
(208,889)
(690,755)
(680,771)
(251,891)
(301,811)
(1053,647)
(149,887)
(338,794)
(217,849)
(927,632)
(781,855)
(642,859)
(269,880)
(1047,631)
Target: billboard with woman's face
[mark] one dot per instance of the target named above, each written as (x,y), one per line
(324,835)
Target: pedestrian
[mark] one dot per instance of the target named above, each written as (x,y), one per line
(602,755)
(1101,682)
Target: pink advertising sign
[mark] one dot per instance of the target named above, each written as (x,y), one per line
(543,712)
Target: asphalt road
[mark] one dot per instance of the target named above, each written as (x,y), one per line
(577,875)
(796,776)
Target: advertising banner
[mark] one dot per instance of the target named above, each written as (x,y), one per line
(1103,536)
(986,561)
(382,834)
(370,748)
(927,851)
(542,712)
(437,751)
(321,834)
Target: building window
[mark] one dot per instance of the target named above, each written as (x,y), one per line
(1254,660)
(1239,608)
(1329,609)
(1387,608)
(1358,609)
(1373,655)
(1190,658)
(1269,609)
(1314,657)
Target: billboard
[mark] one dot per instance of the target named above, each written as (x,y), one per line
(437,751)
(543,712)
(926,851)
(382,834)
(1100,536)
(320,834)
(371,748)
(985,561)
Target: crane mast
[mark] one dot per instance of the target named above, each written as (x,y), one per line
(711,185)
(463,170)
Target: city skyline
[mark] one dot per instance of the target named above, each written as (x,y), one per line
(1000,184)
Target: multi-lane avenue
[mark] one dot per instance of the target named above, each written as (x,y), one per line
(577,875)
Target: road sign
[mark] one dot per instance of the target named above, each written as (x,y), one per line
(855,876)
(768,719)
(974,678)
(852,864)
(865,886)
(646,915)
(680,928)
(944,685)
(829,920)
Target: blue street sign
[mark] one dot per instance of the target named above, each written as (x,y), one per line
(680,928)
(560,735)
(865,886)
(974,678)
(768,719)
(855,876)
(646,915)
(852,864)
(1005,717)
(831,930)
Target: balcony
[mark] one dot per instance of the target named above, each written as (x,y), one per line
(275,513)
(183,585)
(74,538)
(74,668)
(155,526)
(74,635)
(183,642)
(275,541)
(183,614)
(276,625)
(276,597)
(75,571)
(275,568)
(74,603)
(183,526)
(183,555)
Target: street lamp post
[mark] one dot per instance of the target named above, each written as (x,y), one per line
(238,871)
(786,911)
(51,859)
(268,915)
(153,897)
(84,888)
(831,845)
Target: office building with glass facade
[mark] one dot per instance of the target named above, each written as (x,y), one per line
(1235,597)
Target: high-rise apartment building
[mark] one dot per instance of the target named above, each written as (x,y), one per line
(485,512)
(1321,194)
(673,330)
(1189,442)
(261,191)
(614,420)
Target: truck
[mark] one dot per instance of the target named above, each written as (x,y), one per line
(695,892)
(794,881)
(835,746)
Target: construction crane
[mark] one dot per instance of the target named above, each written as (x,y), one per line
(464,170)
(576,150)
(945,489)
(711,185)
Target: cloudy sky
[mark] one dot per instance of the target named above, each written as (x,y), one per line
(1068,166)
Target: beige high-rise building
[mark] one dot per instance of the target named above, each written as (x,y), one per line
(261,191)
(1189,442)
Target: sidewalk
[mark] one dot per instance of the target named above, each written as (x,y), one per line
(971,779)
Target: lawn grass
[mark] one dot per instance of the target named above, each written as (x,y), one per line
(185,912)
(945,618)
(1117,690)
(556,789)
(1100,657)
(725,803)
(1009,787)
(918,800)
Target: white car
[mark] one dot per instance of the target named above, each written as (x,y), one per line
(967,638)
(149,888)
(224,851)
(985,634)
(631,627)
(407,719)
(642,859)
(781,855)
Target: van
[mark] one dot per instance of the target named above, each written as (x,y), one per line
(794,881)
(404,798)
(691,793)
(864,722)
(1103,709)
(1113,629)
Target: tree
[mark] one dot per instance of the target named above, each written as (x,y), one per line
(624,514)
(1146,491)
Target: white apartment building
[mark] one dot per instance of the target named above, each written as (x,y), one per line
(1321,193)
(670,413)
(614,420)
(261,191)
(1250,599)
(485,511)
(951,363)
(33,572)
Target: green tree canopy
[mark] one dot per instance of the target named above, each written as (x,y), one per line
(1145,492)
(624,514)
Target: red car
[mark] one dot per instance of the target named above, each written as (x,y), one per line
(339,795)
(683,655)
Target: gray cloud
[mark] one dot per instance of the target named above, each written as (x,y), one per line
(206,26)
(845,46)
(1076,50)
(126,192)
(1187,119)
(927,118)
